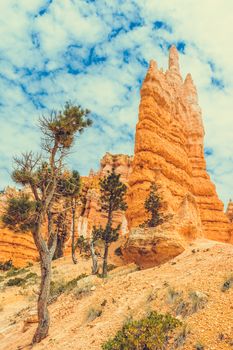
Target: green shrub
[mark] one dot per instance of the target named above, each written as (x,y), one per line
(1,278)
(111,267)
(150,333)
(29,264)
(14,271)
(31,276)
(59,287)
(7,265)
(17,281)
(227,284)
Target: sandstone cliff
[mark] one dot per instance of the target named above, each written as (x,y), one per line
(20,246)
(229,211)
(169,151)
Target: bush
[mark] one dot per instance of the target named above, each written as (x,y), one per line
(14,271)
(227,284)
(15,282)
(59,287)
(150,333)
(111,267)
(31,275)
(7,265)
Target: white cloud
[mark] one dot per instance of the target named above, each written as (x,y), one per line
(51,51)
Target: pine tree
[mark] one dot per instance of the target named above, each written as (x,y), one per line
(153,205)
(111,199)
(42,174)
(70,187)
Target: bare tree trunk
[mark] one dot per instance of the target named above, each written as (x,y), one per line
(42,306)
(72,234)
(105,260)
(94,259)
(46,251)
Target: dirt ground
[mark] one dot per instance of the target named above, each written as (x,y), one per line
(189,287)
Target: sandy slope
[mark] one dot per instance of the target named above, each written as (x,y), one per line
(130,294)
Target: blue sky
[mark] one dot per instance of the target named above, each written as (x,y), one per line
(96,53)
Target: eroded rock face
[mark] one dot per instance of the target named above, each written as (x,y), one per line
(20,246)
(169,151)
(152,246)
(92,215)
(229,211)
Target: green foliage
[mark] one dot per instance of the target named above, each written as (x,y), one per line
(153,205)
(17,281)
(59,287)
(69,185)
(228,283)
(62,229)
(63,125)
(112,193)
(31,276)
(20,281)
(15,271)
(7,265)
(82,244)
(20,213)
(149,333)
(107,234)
(111,267)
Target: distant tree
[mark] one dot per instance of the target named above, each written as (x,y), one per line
(93,240)
(153,204)
(42,174)
(111,199)
(61,226)
(82,244)
(70,187)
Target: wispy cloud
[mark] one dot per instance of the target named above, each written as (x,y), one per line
(96,54)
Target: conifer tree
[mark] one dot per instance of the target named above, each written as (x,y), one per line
(153,205)
(70,187)
(42,174)
(111,199)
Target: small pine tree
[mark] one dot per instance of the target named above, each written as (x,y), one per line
(153,205)
(70,187)
(112,199)
(42,173)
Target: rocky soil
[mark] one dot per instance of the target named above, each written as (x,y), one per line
(190,287)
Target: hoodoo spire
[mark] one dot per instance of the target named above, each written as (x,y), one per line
(190,89)
(174,59)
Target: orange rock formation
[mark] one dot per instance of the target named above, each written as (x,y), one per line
(20,246)
(229,211)
(169,151)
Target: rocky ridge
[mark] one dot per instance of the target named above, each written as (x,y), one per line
(19,246)
(169,151)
